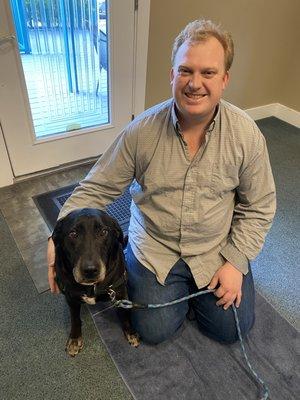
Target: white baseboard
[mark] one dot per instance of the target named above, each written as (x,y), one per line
(276,110)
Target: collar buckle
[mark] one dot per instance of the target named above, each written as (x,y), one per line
(111,293)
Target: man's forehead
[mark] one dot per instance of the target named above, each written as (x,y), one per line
(210,50)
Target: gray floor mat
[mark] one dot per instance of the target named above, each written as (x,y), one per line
(194,367)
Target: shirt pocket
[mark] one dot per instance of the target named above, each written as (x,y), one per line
(225,179)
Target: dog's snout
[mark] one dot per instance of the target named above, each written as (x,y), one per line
(90,271)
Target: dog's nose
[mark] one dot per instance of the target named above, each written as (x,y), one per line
(90,271)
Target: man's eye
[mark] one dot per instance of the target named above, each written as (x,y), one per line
(183,72)
(209,74)
(73,235)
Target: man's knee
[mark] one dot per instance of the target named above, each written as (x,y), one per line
(154,328)
(232,335)
(225,330)
(155,337)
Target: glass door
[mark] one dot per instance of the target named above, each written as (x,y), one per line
(66,79)
(63,49)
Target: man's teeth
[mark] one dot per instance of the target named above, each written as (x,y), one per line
(195,96)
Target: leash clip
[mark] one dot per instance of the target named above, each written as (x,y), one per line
(124,303)
(112,294)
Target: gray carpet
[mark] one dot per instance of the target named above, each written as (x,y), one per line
(33,332)
(276,269)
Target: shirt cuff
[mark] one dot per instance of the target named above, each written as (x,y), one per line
(235,257)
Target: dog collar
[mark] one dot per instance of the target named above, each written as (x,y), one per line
(111,289)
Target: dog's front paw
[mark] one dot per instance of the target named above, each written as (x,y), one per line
(133,338)
(74,346)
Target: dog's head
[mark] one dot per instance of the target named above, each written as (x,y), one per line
(86,243)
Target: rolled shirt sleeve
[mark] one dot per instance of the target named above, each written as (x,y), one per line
(254,209)
(109,177)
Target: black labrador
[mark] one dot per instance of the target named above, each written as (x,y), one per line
(90,267)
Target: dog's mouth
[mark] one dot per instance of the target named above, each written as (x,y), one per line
(89,275)
(86,281)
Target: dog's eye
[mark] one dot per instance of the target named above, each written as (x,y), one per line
(73,235)
(102,232)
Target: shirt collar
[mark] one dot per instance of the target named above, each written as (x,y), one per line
(177,125)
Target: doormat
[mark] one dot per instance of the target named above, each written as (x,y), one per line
(50,203)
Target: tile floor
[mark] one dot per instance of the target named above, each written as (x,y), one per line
(25,221)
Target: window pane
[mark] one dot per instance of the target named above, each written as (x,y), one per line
(64,52)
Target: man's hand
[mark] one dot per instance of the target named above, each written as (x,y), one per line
(230,289)
(51,267)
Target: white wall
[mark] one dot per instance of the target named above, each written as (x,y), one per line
(6,175)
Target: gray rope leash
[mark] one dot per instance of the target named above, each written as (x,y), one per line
(129,304)
(258,379)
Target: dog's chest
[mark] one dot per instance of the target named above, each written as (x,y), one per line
(94,294)
(88,299)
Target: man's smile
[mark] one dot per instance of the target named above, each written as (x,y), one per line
(195,97)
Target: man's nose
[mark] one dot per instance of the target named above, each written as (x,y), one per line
(195,81)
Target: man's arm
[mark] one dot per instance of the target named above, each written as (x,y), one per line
(113,172)
(106,181)
(51,267)
(253,215)
(254,210)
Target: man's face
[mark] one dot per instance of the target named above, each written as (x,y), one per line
(198,79)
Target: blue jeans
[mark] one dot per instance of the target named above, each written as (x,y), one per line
(158,325)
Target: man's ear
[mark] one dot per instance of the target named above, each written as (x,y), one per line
(171,75)
(226,80)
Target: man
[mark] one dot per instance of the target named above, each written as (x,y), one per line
(203,195)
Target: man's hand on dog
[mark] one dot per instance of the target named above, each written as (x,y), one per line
(51,267)
(230,281)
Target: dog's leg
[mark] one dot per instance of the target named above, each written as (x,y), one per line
(75,341)
(130,334)
(124,316)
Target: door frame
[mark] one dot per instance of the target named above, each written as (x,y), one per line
(142,15)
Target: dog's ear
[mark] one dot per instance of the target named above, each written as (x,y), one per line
(119,234)
(125,241)
(117,231)
(56,234)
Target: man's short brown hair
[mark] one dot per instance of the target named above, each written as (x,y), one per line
(199,31)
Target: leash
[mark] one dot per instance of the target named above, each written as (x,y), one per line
(254,373)
(127,304)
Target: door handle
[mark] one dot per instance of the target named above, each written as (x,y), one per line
(7,38)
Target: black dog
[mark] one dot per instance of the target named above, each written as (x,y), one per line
(90,266)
